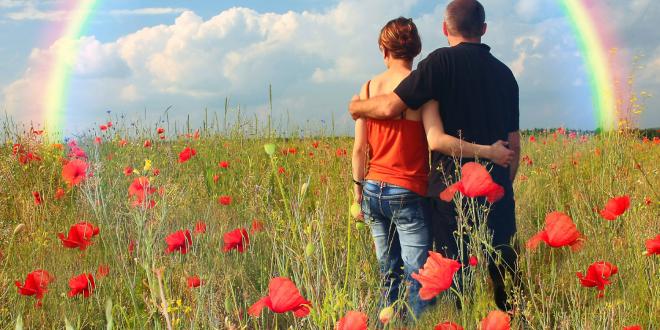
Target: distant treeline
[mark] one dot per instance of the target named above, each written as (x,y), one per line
(648,132)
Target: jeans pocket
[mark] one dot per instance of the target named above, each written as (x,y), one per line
(407,211)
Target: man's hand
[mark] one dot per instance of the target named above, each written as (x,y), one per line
(500,154)
(385,106)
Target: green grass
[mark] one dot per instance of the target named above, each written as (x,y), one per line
(309,235)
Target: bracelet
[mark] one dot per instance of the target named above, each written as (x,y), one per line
(357,182)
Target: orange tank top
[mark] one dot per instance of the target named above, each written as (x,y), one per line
(398,152)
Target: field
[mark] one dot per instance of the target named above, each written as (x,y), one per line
(294,206)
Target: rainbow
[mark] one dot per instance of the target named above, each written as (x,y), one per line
(582,15)
(55,101)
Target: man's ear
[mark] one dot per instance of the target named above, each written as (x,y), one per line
(484,28)
(445,30)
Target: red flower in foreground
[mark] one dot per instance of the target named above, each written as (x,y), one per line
(598,276)
(236,239)
(179,241)
(74,172)
(475,182)
(36,284)
(448,326)
(496,320)
(559,231)
(186,154)
(82,284)
(352,321)
(194,281)
(224,200)
(37,198)
(653,246)
(80,236)
(283,296)
(200,227)
(615,207)
(436,275)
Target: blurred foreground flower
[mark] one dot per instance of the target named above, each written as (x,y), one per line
(475,182)
(559,231)
(448,326)
(283,296)
(496,320)
(436,275)
(74,172)
(352,321)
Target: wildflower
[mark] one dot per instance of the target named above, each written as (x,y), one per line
(436,275)
(340,152)
(108,124)
(598,276)
(532,139)
(80,236)
(36,284)
(37,198)
(186,154)
(224,200)
(102,271)
(615,207)
(179,241)
(653,246)
(131,247)
(147,165)
(224,164)
(256,226)
(473,261)
(475,182)
(160,130)
(59,193)
(147,143)
(315,144)
(633,327)
(74,172)
(82,284)
(448,326)
(236,240)
(352,321)
(155,172)
(122,143)
(128,171)
(496,320)
(283,296)
(647,200)
(559,231)
(103,128)
(194,281)
(97,140)
(281,170)
(200,227)
(216,177)
(140,189)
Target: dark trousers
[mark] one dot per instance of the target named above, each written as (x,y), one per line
(501,224)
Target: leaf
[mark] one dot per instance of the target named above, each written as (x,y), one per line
(67,325)
(19,322)
(108,314)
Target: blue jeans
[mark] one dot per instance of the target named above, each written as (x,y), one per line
(397,219)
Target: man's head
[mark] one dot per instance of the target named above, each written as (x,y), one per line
(465,19)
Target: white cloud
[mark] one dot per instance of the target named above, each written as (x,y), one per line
(32,13)
(147,11)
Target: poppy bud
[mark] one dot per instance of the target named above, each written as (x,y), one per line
(309,249)
(355,210)
(270,148)
(386,314)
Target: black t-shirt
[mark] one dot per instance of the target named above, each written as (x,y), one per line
(478,98)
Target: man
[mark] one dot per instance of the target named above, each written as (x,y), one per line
(478,97)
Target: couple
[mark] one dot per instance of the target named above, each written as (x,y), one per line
(457,92)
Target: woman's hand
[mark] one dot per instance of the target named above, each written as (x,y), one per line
(499,154)
(357,192)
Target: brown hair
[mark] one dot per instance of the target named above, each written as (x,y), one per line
(401,39)
(465,18)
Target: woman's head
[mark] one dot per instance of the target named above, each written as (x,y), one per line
(400,40)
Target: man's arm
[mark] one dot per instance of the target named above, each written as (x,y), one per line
(514,144)
(384,106)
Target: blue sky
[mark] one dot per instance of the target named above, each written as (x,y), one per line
(138,55)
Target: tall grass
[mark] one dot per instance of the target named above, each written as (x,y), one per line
(309,235)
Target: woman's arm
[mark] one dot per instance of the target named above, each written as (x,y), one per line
(359,159)
(438,140)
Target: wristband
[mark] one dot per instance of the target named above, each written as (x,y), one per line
(357,182)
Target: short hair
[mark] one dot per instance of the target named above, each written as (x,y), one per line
(465,18)
(401,38)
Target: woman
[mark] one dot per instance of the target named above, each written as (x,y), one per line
(392,190)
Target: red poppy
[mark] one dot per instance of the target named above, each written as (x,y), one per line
(178,241)
(598,276)
(59,193)
(448,326)
(532,138)
(194,281)
(615,207)
(131,247)
(352,321)
(496,320)
(224,164)
(475,182)
(186,154)
(74,172)
(102,271)
(122,142)
(155,172)
(527,160)
(216,178)
(224,200)
(256,226)
(147,143)
(80,236)
(128,170)
(340,152)
(200,227)
(653,246)
(36,284)
(160,130)
(236,239)
(281,170)
(559,231)
(473,261)
(647,201)
(37,198)
(283,296)
(140,189)
(82,284)
(103,127)
(436,275)
(97,140)
(633,327)
(109,124)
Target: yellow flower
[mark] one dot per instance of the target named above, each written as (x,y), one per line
(147,165)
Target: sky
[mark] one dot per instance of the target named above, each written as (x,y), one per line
(141,57)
